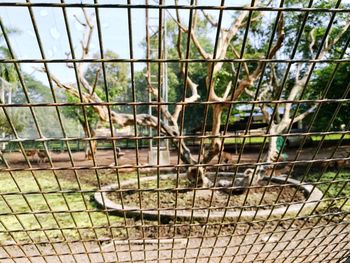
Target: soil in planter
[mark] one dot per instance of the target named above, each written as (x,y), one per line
(168,197)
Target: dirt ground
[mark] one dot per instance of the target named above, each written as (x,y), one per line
(168,198)
(105,158)
(318,238)
(327,244)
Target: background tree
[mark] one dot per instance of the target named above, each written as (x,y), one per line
(322,37)
(8,82)
(116,85)
(224,81)
(217,92)
(339,89)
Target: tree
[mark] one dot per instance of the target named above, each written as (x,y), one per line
(116,85)
(193,115)
(317,40)
(21,120)
(225,82)
(218,92)
(339,89)
(8,81)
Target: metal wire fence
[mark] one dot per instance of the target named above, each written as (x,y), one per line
(213,131)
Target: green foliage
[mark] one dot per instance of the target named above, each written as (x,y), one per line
(15,120)
(116,78)
(315,28)
(77,112)
(193,114)
(338,89)
(334,185)
(37,91)
(7,71)
(113,86)
(8,77)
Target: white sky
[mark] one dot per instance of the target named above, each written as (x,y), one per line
(54,37)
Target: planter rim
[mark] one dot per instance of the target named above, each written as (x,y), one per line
(312,198)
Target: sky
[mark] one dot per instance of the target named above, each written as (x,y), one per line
(114,26)
(51,27)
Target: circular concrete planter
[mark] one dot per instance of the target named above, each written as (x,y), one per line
(312,197)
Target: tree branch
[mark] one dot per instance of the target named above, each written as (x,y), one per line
(163,108)
(227,90)
(209,18)
(304,114)
(339,36)
(249,92)
(123,120)
(313,40)
(194,38)
(243,84)
(265,90)
(95,81)
(328,46)
(194,97)
(245,65)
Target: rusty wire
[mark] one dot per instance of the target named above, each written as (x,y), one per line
(321,235)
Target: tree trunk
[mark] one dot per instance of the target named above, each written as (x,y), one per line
(273,152)
(90,148)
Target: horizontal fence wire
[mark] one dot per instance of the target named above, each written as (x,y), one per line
(174,131)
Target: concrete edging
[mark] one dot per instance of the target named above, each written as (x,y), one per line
(300,208)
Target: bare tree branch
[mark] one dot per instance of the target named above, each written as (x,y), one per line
(339,36)
(194,97)
(243,84)
(263,106)
(304,114)
(209,18)
(328,46)
(226,38)
(95,81)
(249,92)
(123,120)
(194,38)
(227,90)
(79,21)
(245,65)
(163,108)
(313,40)
(194,91)
(68,65)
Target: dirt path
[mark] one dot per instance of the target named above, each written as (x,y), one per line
(304,240)
(329,244)
(106,157)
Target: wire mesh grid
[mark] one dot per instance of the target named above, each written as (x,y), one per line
(174,131)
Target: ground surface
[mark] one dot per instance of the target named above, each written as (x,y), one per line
(167,198)
(307,245)
(322,237)
(129,159)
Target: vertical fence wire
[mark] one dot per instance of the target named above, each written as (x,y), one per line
(114,205)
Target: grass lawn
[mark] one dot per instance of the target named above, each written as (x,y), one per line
(331,137)
(51,211)
(48,216)
(315,138)
(339,188)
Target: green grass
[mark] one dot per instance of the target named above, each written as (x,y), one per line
(247,140)
(79,146)
(43,204)
(53,214)
(334,189)
(331,137)
(315,138)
